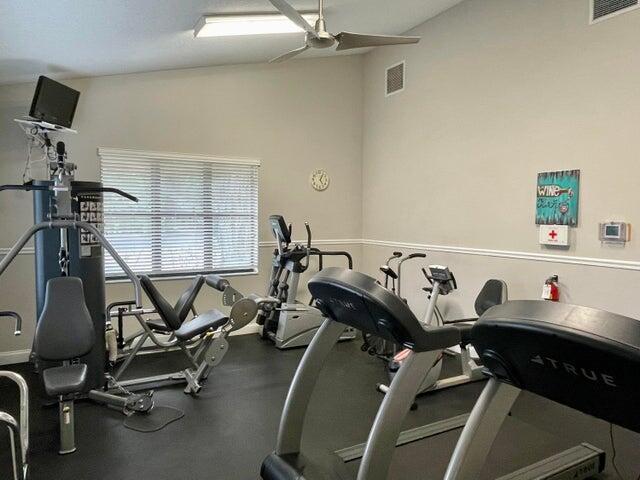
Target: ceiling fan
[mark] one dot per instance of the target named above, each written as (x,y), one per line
(318,37)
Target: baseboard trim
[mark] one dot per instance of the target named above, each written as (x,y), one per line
(514,255)
(15,356)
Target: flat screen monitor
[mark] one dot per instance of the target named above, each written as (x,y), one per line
(54,102)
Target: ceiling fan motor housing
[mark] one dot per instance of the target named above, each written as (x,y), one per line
(323,40)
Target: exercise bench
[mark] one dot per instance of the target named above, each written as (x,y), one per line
(202,339)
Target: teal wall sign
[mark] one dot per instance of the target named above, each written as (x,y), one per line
(557,198)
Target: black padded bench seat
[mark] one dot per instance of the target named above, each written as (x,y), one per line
(211,320)
(158,325)
(173,318)
(581,357)
(65,332)
(64,380)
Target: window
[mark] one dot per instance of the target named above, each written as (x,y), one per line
(195,214)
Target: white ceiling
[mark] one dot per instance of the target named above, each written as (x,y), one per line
(77,38)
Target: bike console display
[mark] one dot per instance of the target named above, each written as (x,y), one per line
(441,275)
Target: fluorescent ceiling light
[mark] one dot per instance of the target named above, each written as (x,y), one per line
(251,24)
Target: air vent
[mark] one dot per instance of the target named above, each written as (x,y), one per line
(395,79)
(603,9)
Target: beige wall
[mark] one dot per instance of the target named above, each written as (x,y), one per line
(496,92)
(294,117)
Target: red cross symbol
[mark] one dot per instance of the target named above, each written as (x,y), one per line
(553,234)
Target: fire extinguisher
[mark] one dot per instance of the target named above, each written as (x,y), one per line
(551,289)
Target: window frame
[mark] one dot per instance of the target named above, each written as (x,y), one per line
(127,154)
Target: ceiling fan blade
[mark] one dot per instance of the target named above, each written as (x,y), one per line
(348,40)
(293,15)
(289,55)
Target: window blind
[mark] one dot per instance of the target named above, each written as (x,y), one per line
(195,214)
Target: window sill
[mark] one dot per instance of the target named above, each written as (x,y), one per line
(186,276)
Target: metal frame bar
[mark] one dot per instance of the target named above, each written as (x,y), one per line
(210,351)
(304,381)
(387,425)
(18,430)
(480,431)
(63,224)
(161,345)
(66,414)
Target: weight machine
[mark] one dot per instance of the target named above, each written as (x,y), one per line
(69,244)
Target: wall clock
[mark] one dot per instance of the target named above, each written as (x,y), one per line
(319,180)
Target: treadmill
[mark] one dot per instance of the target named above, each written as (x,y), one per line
(511,340)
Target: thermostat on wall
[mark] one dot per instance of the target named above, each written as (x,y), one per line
(615,232)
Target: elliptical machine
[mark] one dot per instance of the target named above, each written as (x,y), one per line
(291,323)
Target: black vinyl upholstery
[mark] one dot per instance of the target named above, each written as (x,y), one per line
(158,325)
(493,293)
(65,329)
(217,282)
(357,300)
(211,320)
(173,318)
(581,357)
(185,302)
(64,380)
(163,307)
